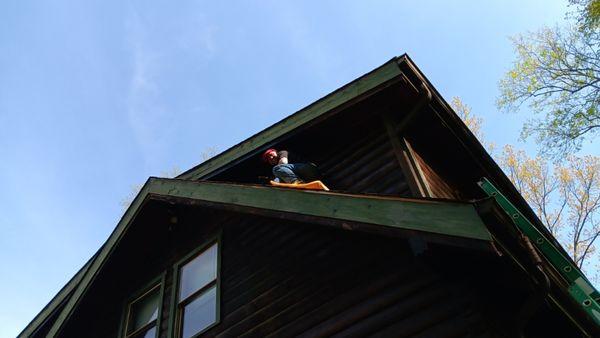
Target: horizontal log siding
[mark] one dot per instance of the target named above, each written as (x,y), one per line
(283,280)
(367,165)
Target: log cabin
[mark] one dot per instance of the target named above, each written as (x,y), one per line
(421,235)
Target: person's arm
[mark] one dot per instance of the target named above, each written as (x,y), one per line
(283,157)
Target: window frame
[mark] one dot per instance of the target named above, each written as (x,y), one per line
(138,294)
(175,309)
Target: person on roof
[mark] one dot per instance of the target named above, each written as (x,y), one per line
(289,167)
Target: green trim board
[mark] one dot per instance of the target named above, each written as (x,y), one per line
(580,289)
(56,301)
(97,263)
(447,218)
(361,86)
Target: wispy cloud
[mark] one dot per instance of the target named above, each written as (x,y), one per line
(197,36)
(160,53)
(145,111)
(307,43)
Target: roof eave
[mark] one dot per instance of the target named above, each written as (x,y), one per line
(54,304)
(480,156)
(491,212)
(451,219)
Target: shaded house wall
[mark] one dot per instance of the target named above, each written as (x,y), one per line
(282,278)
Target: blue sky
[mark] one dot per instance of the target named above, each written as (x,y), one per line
(97,96)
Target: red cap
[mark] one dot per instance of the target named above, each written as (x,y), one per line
(264,155)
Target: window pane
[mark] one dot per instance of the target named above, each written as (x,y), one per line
(151,333)
(198,272)
(200,313)
(143,310)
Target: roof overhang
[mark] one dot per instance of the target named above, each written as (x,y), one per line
(400,68)
(57,302)
(448,218)
(507,239)
(438,221)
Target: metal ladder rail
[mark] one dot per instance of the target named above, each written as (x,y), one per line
(580,288)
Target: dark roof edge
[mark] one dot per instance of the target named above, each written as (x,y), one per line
(98,261)
(492,212)
(494,173)
(53,305)
(480,156)
(458,220)
(264,138)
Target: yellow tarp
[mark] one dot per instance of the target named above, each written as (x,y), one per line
(314,185)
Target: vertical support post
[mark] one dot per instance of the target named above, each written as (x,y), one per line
(401,152)
(419,172)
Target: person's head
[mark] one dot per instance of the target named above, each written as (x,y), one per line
(270,156)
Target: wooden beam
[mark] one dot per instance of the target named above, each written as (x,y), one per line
(404,158)
(447,218)
(347,225)
(415,164)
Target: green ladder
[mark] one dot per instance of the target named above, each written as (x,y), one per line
(580,287)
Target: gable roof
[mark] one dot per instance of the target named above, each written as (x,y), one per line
(397,69)
(428,217)
(400,68)
(358,89)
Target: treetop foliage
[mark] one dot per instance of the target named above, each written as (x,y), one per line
(565,196)
(557,74)
(587,13)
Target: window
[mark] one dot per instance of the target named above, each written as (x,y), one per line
(142,313)
(197,292)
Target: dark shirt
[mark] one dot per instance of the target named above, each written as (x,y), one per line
(291,156)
